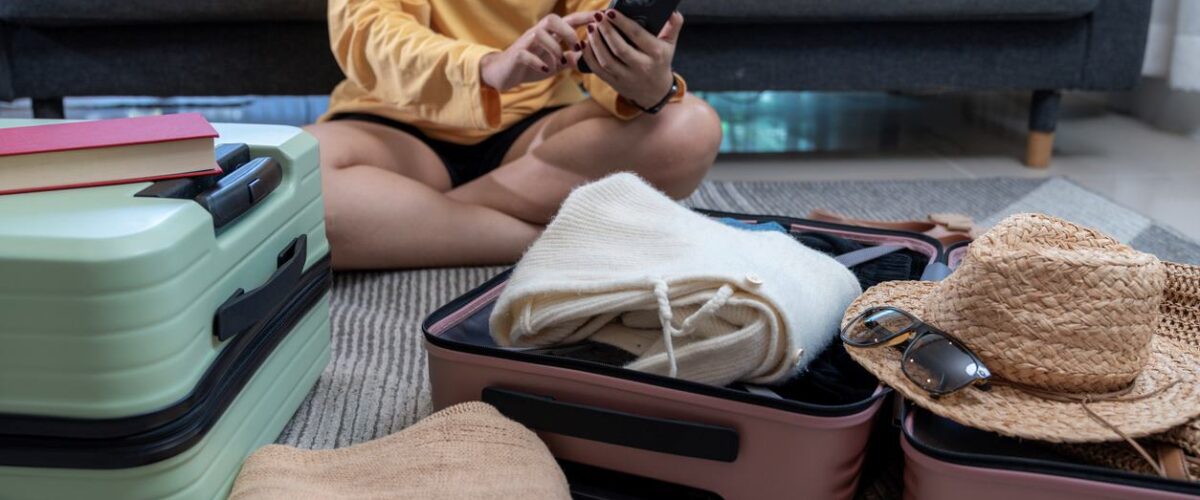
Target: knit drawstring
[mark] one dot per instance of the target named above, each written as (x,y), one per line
(666,317)
(526,314)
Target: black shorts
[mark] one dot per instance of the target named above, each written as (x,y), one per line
(464,162)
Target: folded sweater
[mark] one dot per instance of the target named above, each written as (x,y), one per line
(692,298)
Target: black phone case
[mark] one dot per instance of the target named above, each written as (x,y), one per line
(651,14)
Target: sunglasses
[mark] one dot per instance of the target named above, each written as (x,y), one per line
(934,360)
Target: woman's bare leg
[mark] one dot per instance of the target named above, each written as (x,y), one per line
(389,204)
(385,205)
(673,150)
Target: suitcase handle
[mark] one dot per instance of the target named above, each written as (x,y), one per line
(238,192)
(244,309)
(229,157)
(675,437)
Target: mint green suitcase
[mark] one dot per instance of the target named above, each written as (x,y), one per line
(144,352)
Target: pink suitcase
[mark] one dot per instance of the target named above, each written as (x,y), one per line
(944,460)
(703,441)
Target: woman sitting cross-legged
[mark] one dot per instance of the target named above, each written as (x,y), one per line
(461,126)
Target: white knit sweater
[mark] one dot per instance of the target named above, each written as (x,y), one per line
(624,264)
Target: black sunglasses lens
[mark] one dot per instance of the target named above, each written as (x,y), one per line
(876,327)
(940,366)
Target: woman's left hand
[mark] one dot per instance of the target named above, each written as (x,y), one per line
(641,71)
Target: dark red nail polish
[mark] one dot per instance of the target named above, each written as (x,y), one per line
(545,69)
(591,29)
(599,17)
(612,15)
(578,45)
(564,59)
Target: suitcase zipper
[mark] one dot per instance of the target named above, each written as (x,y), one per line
(842,229)
(1037,465)
(55,442)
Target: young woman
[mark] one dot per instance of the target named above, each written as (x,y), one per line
(461,126)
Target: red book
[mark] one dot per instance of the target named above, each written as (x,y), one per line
(97,153)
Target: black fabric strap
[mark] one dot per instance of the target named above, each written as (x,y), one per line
(662,102)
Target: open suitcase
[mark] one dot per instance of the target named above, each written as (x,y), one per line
(148,344)
(676,438)
(946,460)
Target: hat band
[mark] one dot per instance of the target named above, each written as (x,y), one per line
(1084,399)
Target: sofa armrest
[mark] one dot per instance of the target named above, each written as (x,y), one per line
(1117,45)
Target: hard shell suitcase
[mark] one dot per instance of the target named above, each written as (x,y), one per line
(732,442)
(153,335)
(944,460)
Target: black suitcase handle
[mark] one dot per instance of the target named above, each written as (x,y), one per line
(229,157)
(675,437)
(243,183)
(238,192)
(244,309)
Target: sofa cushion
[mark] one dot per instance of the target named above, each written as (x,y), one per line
(882,10)
(93,12)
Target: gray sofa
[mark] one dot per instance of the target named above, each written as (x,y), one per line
(55,48)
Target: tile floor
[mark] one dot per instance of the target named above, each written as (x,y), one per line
(802,136)
(1153,172)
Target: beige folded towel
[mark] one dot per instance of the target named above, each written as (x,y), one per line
(468,451)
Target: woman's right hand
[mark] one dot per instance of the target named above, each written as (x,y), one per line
(538,54)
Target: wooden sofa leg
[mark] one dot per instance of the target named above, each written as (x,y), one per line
(1039,149)
(48,107)
(1043,120)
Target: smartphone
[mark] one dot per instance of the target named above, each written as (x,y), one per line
(651,14)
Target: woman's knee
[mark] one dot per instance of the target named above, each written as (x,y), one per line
(350,143)
(334,144)
(688,136)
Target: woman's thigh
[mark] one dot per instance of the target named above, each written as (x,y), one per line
(355,143)
(673,150)
(551,124)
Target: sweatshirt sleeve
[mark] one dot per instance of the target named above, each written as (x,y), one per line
(388,49)
(601,92)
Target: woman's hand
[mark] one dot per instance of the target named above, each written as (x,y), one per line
(641,71)
(538,54)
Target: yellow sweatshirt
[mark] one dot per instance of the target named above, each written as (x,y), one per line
(417,62)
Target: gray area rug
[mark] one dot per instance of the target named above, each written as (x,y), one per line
(377,383)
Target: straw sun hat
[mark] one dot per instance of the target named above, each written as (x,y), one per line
(1064,317)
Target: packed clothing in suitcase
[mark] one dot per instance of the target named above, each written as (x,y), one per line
(1061,335)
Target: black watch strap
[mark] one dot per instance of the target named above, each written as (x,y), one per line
(666,99)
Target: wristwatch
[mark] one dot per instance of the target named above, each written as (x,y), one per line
(666,99)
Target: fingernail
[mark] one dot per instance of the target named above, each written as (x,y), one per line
(599,17)
(545,69)
(564,59)
(578,45)
(612,15)
(591,28)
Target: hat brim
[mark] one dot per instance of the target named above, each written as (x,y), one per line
(1164,395)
